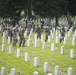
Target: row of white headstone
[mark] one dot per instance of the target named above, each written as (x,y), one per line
(56,70)
(74,39)
(36,58)
(43,47)
(12,72)
(49,40)
(45,63)
(49,37)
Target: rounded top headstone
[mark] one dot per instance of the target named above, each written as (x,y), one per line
(49,74)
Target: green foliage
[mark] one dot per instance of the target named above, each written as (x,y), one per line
(43,8)
(11,8)
(71,7)
(49,7)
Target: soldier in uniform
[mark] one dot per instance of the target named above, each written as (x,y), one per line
(28,29)
(21,35)
(47,32)
(10,34)
(62,34)
(38,31)
(14,32)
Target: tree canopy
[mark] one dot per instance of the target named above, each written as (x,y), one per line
(49,7)
(72,7)
(44,8)
(11,8)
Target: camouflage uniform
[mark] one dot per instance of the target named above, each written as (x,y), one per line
(38,31)
(14,36)
(28,30)
(47,32)
(62,33)
(21,35)
(10,34)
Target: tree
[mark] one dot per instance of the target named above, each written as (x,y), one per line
(72,7)
(12,8)
(54,8)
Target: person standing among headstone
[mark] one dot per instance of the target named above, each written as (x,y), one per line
(22,38)
(70,23)
(62,34)
(14,32)
(11,34)
(47,32)
(42,24)
(33,26)
(28,29)
(38,31)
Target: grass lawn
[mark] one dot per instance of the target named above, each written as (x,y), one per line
(53,58)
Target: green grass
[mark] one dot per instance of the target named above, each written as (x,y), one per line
(53,58)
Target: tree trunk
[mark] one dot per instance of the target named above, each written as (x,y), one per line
(56,22)
(29,8)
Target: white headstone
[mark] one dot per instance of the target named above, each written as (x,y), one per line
(28,42)
(72,53)
(75,31)
(10,49)
(25,34)
(52,35)
(26,57)
(43,45)
(18,37)
(53,29)
(3,71)
(13,71)
(69,71)
(42,38)
(62,49)
(45,67)
(52,47)
(3,39)
(65,40)
(36,61)
(73,35)
(35,37)
(3,47)
(29,36)
(59,35)
(66,35)
(3,34)
(49,39)
(35,73)
(57,39)
(18,53)
(73,41)
(56,70)
(70,30)
(8,39)
(56,32)
(36,43)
